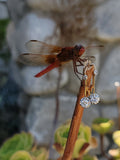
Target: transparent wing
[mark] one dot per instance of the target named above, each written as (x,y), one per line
(32,59)
(39,47)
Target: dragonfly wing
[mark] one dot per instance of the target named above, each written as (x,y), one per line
(39,47)
(32,59)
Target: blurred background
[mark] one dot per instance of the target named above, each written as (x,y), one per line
(28,103)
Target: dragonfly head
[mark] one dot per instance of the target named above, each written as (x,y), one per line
(79,49)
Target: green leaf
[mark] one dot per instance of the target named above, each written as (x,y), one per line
(3,26)
(88,157)
(21,155)
(78,145)
(116,137)
(102,125)
(40,154)
(22,141)
(61,134)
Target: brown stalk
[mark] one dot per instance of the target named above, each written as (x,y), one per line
(102,148)
(56,115)
(78,112)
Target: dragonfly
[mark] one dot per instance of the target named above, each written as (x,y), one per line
(41,53)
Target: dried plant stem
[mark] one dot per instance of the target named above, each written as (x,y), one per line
(102,148)
(102,144)
(56,115)
(77,115)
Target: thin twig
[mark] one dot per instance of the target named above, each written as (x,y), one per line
(102,148)
(56,115)
(77,116)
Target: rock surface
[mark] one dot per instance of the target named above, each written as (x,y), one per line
(3,67)
(41,114)
(31,27)
(3,11)
(17,9)
(97,150)
(110,73)
(52,5)
(108,21)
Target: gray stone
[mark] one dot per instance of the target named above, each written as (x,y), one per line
(97,151)
(31,27)
(108,21)
(90,114)
(109,111)
(10,36)
(52,5)
(17,9)
(23,100)
(41,114)
(3,11)
(3,66)
(102,158)
(36,28)
(110,73)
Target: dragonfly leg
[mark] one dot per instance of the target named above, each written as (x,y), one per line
(76,65)
(76,70)
(81,60)
(80,64)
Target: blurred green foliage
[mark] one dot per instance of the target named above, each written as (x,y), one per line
(20,147)
(21,155)
(102,125)
(116,137)
(88,157)
(3,26)
(5,56)
(84,138)
(40,154)
(23,141)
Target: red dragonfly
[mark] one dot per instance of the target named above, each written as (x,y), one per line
(55,56)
